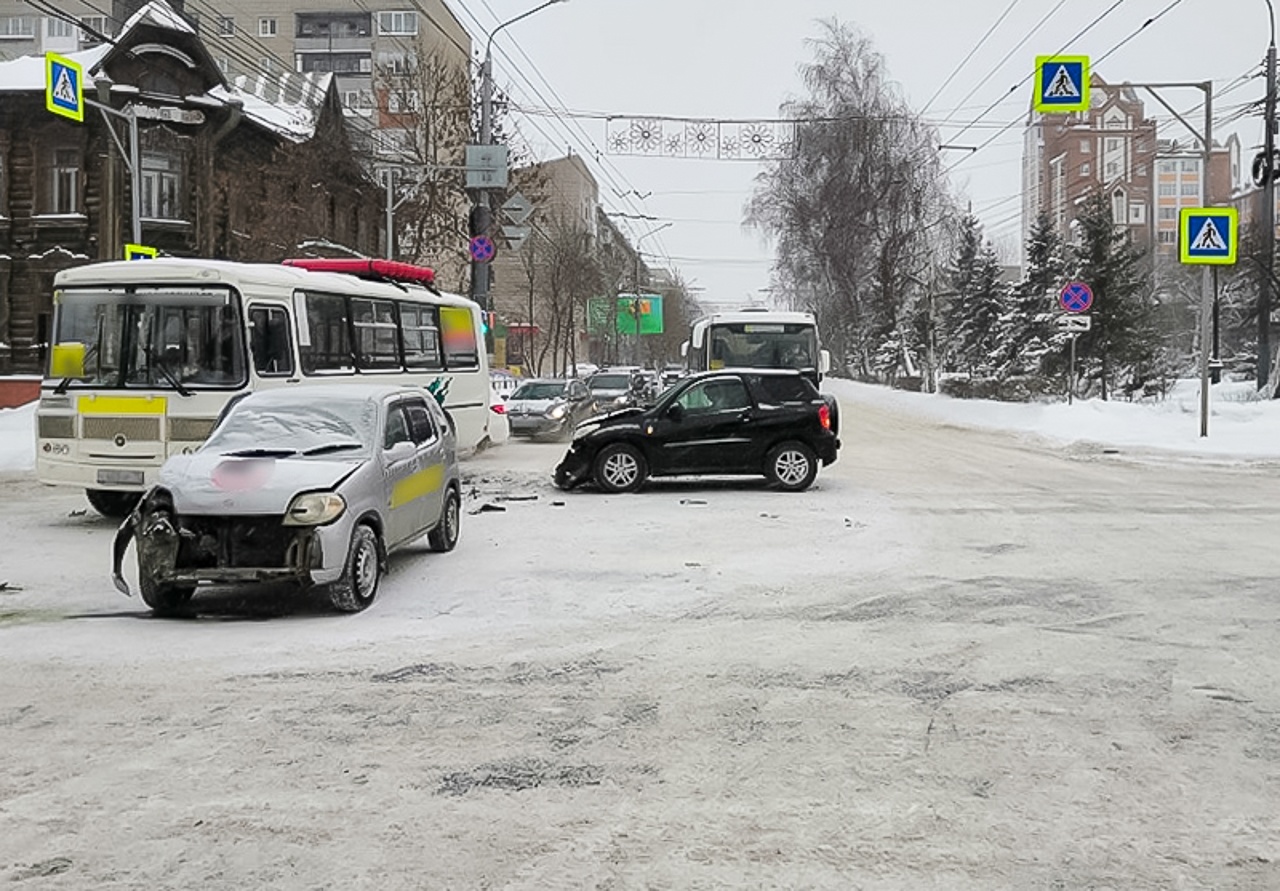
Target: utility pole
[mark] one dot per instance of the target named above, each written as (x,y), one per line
(635,283)
(481,221)
(1268,211)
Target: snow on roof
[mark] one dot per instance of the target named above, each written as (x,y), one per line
(26,74)
(159,14)
(288,104)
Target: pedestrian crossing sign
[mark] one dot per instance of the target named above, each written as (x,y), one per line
(64,87)
(1208,235)
(139,252)
(1062,84)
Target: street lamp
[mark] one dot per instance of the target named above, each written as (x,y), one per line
(481,215)
(635,282)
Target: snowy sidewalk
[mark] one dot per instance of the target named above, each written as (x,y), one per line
(1239,429)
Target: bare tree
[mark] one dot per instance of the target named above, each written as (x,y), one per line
(860,210)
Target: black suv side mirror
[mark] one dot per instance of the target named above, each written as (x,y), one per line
(675,411)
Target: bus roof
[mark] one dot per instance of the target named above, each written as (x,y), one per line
(188,271)
(789,317)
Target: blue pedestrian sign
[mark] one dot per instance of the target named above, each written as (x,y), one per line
(1208,235)
(1062,84)
(1076,297)
(64,87)
(482,249)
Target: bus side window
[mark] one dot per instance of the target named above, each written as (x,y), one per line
(269,340)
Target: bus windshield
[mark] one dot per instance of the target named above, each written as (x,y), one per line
(153,337)
(763,345)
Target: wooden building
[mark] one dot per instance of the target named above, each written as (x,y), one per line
(255,169)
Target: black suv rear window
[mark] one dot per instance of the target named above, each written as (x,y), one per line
(785,388)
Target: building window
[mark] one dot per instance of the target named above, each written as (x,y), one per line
(61,182)
(1084,169)
(268,65)
(1113,168)
(1190,189)
(1119,212)
(17,27)
(57,27)
(1113,145)
(93,28)
(1167,236)
(161,186)
(1168,213)
(266,27)
(1190,166)
(226,26)
(1167,189)
(224,64)
(405,23)
(1137,213)
(399,102)
(1085,146)
(339,63)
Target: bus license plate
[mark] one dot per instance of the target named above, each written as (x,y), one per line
(120,477)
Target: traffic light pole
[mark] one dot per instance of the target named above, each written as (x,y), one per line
(1268,214)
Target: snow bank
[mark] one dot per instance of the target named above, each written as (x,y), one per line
(18,438)
(1239,427)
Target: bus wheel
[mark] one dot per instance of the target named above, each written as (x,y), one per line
(115,505)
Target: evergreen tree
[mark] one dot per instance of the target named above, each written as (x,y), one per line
(1123,347)
(1026,333)
(971,319)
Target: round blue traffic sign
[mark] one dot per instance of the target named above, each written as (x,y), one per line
(1076,297)
(482,249)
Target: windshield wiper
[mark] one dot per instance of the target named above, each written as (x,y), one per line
(331,447)
(261,453)
(158,364)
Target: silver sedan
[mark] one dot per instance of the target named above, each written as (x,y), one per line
(309,484)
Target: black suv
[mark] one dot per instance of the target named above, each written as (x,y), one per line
(743,421)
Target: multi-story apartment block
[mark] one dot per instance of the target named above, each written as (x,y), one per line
(1114,149)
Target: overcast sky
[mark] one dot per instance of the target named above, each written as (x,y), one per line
(740,59)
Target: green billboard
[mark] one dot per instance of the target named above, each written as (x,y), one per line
(623,310)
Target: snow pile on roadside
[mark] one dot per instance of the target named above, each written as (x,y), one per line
(1238,425)
(18,438)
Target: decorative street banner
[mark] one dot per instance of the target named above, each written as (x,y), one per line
(649,305)
(718,140)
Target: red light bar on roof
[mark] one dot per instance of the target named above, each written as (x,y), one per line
(379,269)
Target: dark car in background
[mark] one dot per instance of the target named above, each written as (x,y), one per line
(549,407)
(612,389)
(766,422)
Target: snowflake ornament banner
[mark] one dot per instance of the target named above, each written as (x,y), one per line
(718,140)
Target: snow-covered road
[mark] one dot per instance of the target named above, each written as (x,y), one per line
(965,659)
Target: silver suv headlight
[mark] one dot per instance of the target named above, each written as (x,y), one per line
(556,412)
(314,509)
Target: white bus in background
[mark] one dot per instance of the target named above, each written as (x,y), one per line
(757,338)
(144,355)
